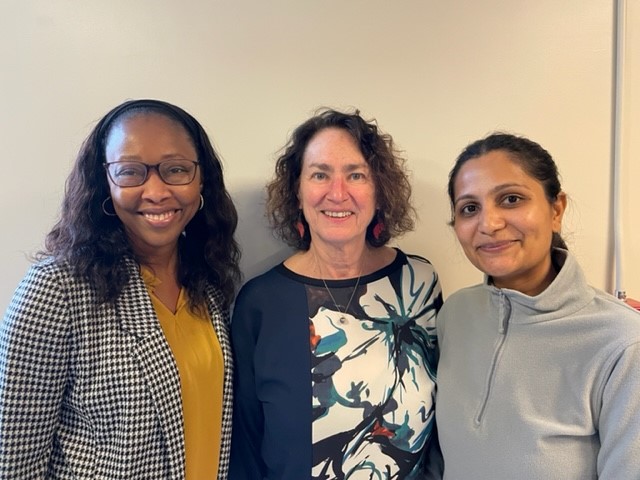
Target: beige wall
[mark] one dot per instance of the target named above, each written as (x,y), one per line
(435,74)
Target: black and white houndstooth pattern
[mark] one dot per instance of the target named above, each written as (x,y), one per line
(92,391)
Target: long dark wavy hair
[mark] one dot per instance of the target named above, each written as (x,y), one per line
(392,185)
(532,158)
(94,244)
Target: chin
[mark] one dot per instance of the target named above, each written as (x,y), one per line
(496,271)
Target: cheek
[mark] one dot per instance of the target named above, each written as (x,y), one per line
(307,197)
(535,224)
(190,198)
(367,195)
(462,231)
(120,198)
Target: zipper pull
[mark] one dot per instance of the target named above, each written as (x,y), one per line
(505,313)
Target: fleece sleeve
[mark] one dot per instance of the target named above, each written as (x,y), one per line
(619,423)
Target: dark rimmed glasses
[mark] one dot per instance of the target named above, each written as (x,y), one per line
(176,171)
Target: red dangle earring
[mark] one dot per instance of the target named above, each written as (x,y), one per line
(378,228)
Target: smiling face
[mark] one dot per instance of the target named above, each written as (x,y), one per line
(504,222)
(337,192)
(154,214)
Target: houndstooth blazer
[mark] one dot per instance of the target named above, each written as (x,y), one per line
(91,391)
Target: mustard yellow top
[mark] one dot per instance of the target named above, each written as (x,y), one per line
(198,356)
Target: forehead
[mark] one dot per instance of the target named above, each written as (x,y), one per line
(490,169)
(332,145)
(138,130)
(146,120)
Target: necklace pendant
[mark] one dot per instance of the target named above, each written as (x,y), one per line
(342,319)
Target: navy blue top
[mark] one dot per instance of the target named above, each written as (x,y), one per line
(320,391)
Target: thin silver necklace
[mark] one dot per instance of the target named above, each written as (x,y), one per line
(342,318)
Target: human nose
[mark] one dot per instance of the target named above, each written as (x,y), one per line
(155,188)
(338,189)
(490,220)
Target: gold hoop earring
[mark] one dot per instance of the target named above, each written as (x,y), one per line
(201,202)
(107,213)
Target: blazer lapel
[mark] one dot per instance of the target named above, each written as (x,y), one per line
(157,365)
(220,320)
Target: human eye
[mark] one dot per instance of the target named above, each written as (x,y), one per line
(357,176)
(177,172)
(319,176)
(511,199)
(468,209)
(177,168)
(126,169)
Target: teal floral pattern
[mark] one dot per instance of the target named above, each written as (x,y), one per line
(374,374)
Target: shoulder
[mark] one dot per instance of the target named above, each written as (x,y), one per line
(616,314)
(52,273)
(417,264)
(413,275)
(47,275)
(417,260)
(601,309)
(459,307)
(465,298)
(269,298)
(42,301)
(472,291)
(267,284)
(50,268)
(263,279)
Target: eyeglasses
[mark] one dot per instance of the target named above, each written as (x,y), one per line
(133,174)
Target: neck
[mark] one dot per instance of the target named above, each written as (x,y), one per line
(164,267)
(339,263)
(531,286)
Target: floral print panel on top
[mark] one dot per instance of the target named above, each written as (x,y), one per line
(373,374)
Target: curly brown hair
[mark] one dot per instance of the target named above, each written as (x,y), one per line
(393,189)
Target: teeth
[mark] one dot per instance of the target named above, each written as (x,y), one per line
(337,214)
(158,216)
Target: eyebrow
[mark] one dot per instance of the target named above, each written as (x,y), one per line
(138,158)
(350,167)
(493,191)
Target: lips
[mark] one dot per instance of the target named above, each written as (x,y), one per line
(159,218)
(337,214)
(495,246)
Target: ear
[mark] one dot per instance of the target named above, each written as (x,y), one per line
(558,207)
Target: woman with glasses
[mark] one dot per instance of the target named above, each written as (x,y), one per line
(114,352)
